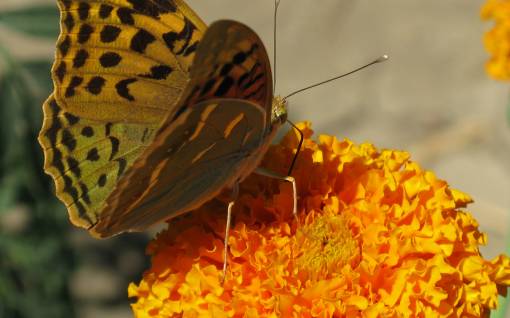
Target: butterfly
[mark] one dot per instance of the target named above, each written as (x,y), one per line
(153,114)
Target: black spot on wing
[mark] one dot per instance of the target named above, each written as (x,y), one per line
(69,22)
(80,58)
(84,34)
(123,89)
(64,46)
(95,85)
(145,132)
(253,81)
(153,8)
(83,10)
(107,129)
(56,125)
(224,87)
(185,35)
(71,119)
(126,16)
(68,140)
(84,193)
(73,192)
(122,166)
(190,49)
(101,181)
(225,70)
(74,166)
(109,33)
(66,3)
(170,38)
(57,161)
(105,10)
(249,78)
(87,131)
(239,58)
(207,86)
(159,72)
(110,59)
(115,147)
(93,155)
(243,78)
(61,70)
(82,212)
(75,82)
(256,93)
(141,40)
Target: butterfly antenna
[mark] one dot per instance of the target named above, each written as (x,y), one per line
(380,59)
(276,5)
(301,138)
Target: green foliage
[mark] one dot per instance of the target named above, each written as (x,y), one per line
(35,260)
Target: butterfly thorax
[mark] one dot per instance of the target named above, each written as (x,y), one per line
(278,111)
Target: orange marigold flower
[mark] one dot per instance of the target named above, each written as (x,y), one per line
(497,40)
(376,236)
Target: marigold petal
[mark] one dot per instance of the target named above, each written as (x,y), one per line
(377,236)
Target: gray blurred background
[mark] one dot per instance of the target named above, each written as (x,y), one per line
(432,98)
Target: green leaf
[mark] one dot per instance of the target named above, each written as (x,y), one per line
(39,21)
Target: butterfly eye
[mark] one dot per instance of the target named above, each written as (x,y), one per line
(279,110)
(282,117)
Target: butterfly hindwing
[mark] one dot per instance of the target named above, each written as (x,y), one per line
(207,146)
(86,158)
(120,67)
(202,152)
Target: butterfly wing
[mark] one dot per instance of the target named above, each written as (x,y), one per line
(231,62)
(221,121)
(120,66)
(203,151)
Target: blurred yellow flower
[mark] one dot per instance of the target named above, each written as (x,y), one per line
(377,237)
(497,40)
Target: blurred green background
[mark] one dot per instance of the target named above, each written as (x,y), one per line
(433,98)
(47,267)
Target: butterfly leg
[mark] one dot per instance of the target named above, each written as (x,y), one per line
(271,174)
(235,192)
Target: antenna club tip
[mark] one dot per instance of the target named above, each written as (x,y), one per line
(382,58)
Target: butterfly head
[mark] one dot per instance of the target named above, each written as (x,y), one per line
(279,110)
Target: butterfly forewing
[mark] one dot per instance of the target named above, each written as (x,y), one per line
(231,63)
(207,145)
(120,67)
(124,60)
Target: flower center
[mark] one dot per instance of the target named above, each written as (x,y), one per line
(325,246)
